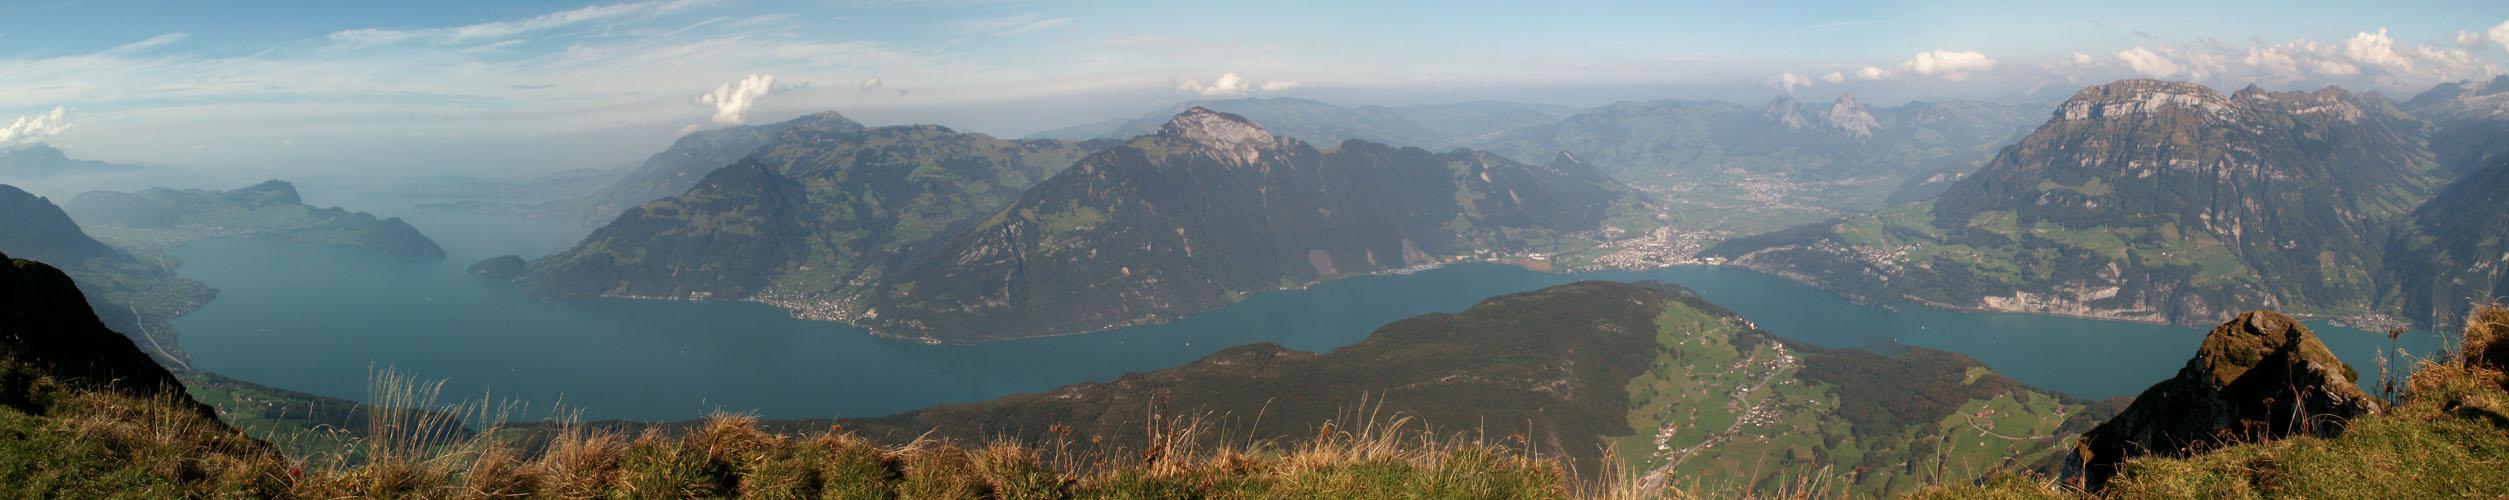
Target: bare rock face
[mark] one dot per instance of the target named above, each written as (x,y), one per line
(2259,377)
(1848,115)
(1230,136)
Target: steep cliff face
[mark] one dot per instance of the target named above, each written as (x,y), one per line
(2145,200)
(1214,207)
(2259,377)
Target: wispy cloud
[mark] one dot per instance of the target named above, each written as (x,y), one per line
(1007,25)
(501,29)
(150,43)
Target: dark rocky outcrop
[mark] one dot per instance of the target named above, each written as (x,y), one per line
(47,331)
(2261,376)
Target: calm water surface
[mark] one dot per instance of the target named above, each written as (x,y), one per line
(318,319)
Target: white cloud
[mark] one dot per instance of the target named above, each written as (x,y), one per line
(1872,73)
(1834,77)
(2148,63)
(871,85)
(1233,85)
(2377,50)
(1789,82)
(732,101)
(2499,35)
(2470,39)
(2496,36)
(1950,65)
(35,127)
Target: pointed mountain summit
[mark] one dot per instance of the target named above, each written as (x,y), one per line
(1848,115)
(2260,376)
(1785,111)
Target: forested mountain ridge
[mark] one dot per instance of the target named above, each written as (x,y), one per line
(1214,207)
(810,214)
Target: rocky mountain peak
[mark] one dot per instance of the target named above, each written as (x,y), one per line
(1849,115)
(1232,134)
(2259,376)
(1785,111)
(2144,97)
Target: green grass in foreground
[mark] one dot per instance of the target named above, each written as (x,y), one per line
(2449,438)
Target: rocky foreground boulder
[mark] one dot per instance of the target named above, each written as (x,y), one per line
(2262,376)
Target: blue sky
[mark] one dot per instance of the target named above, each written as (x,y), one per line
(482,86)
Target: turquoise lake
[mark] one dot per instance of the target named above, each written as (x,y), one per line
(319,319)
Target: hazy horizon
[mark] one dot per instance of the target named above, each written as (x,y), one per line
(496,89)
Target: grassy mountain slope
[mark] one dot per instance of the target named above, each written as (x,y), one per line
(690,158)
(2444,438)
(1649,381)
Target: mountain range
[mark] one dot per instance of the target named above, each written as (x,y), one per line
(688,160)
(900,228)
(126,293)
(40,161)
(160,218)
(803,215)
(2145,200)
(1214,207)
(1895,153)
(1428,126)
